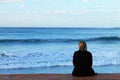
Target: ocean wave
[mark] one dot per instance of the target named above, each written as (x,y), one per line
(42,65)
(112,39)
(37,60)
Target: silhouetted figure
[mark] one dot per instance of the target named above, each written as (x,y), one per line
(82,61)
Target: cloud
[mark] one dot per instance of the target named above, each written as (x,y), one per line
(43,0)
(77,12)
(22,6)
(60,12)
(13,1)
(10,1)
(85,1)
(66,12)
(104,6)
(56,12)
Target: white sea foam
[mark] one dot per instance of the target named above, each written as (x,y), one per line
(32,60)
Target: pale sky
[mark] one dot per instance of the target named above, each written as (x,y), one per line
(59,13)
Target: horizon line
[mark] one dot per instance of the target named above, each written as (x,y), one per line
(55,27)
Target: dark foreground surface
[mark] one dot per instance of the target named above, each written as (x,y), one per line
(58,77)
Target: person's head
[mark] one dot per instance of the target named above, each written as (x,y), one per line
(82,46)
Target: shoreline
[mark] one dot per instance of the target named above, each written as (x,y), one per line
(59,70)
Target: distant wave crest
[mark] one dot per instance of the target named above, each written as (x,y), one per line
(113,38)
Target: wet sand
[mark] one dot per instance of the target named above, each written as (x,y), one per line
(58,77)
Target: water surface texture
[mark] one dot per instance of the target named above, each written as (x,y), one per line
(24,48)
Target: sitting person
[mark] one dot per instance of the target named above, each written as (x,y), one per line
(82,61)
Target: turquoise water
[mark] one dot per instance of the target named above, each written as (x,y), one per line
(50,50)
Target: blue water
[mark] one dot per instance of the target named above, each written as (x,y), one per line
(24,48)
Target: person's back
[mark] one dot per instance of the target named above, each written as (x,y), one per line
(82,61)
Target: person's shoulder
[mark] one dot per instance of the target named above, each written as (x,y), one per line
(88,52)
(76,52)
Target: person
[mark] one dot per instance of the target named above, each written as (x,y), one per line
(82,61)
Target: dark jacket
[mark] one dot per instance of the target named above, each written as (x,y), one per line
(82,61)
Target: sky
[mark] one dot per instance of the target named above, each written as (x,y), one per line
(60,13)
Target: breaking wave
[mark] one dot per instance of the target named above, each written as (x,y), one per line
(112,39)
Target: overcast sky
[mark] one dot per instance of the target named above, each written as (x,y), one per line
(59,13)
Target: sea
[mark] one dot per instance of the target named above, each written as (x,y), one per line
(31,50)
